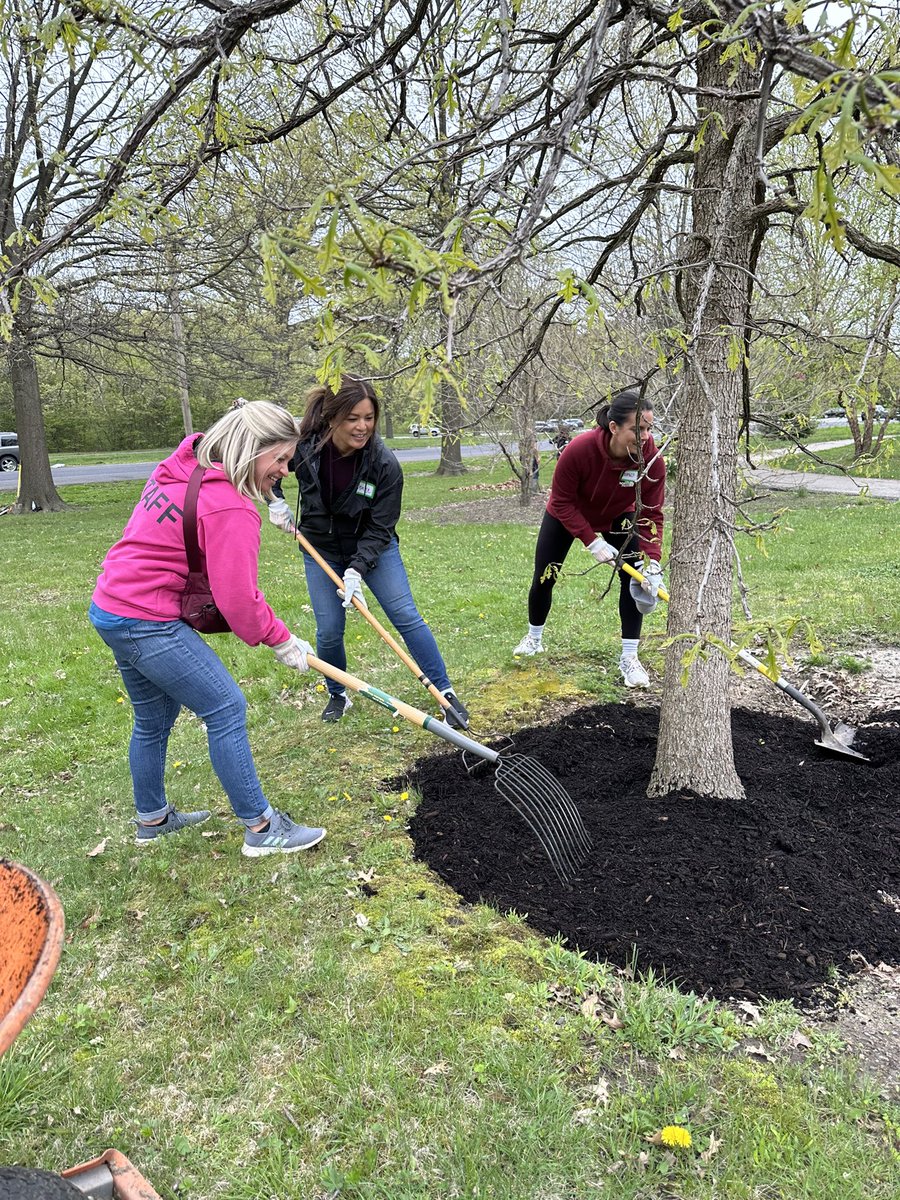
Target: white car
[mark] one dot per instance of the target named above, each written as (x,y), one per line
(424,430)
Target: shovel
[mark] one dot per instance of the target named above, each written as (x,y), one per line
(539,799)
(405,658)
(836,739)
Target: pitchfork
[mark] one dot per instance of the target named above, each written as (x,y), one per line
(539,799)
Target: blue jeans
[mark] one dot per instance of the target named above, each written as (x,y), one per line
(390,587)
(164,665)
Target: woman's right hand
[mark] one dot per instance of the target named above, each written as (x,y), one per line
(292,653)
(602,550)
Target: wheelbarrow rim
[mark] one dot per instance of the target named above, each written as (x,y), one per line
(45,960)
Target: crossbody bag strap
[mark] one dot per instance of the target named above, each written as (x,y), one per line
(191,545)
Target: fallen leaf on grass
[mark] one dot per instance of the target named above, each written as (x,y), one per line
(590,1008)
(601,1091)
(750,1011)
(98,849)
(757,1050)
(438,1068)
(362,920)
(713,1149)
(800,1040)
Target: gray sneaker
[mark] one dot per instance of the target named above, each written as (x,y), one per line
(174,823)
(283,836)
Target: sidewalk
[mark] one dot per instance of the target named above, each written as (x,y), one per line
(809,481)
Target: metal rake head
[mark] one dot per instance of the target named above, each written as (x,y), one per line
(547,808)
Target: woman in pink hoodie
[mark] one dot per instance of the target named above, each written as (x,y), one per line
(603,476)
(165,664)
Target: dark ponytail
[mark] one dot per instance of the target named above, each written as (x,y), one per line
(325,408)
(622,405)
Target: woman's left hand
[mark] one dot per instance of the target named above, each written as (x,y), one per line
(352,587)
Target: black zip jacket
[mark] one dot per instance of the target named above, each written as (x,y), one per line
(359,523)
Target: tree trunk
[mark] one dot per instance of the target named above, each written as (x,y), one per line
(451,445)
(180,351)
(695,748)
(37,491)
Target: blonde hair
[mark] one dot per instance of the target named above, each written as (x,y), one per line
(237,440)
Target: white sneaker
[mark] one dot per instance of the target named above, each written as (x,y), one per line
(633,673)
(529,646)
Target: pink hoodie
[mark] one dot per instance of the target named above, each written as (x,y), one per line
(145,572)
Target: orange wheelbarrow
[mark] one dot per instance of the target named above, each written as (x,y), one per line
(31,933)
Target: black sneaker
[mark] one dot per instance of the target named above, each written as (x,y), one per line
(453,718)
(336,707)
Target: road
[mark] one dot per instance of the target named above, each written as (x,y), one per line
(763,476)
(119,472)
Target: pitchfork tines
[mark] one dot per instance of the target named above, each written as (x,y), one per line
(546,807)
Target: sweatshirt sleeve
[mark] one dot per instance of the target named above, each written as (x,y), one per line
(564,490)
(383,517)
(229,540)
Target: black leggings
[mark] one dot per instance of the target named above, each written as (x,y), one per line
(553,544)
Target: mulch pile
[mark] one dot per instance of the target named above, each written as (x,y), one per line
(751,899)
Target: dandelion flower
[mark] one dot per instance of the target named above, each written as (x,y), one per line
(395,729)
(120,700)
(388,817)
(320,687)
(676,1136)
(404,795)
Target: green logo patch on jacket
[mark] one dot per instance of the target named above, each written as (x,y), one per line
(364,488)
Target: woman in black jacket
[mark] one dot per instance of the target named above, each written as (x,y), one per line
(351,487)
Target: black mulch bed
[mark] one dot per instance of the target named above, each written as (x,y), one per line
(751,899)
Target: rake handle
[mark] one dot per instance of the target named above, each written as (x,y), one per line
(401,709)
(360,606)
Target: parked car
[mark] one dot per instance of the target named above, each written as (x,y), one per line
(9,452)
(418,430)
(569,423)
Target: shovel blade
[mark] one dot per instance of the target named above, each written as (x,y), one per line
(838,741)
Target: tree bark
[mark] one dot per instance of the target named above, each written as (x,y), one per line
(451,445)
(695,749)
(179,346)
(37,490)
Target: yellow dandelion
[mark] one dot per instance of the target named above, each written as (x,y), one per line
(481,616)
(120,700)
(404,795)
(395,729)
(388,817)
(177,764)
(675,1136)
(347,796)
(332,797)
(320,687)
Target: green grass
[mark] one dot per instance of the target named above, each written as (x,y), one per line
(884,465)
(342,1025)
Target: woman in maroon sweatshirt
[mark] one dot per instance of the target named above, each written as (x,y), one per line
(600,483)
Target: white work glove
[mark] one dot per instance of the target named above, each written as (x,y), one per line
(602,551)
(645,592)
(280,515)
(292,653)
(352,587)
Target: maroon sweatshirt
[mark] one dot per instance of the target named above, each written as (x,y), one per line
(590,490)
